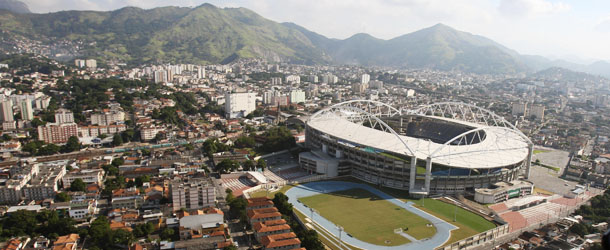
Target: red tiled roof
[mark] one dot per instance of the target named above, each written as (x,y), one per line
(279,240)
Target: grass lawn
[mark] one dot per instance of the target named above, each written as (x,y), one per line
(368,217)
(538,151)
(468,223)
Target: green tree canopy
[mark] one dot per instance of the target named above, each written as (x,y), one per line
(78,185)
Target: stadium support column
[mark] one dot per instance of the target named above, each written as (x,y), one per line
(530,153)
(428,174)
(412,173)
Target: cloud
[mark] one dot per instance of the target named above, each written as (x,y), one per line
(603,25)
(531,8)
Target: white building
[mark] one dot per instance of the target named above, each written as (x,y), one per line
(239,104)
(519,109)
(293,79)
(82,209)
(194,194)
(7,110)
(150,132)
(537,111)
(89,176)
(375,84)
(27,113)
(365,78)
(91,63)
(297,96)
(79,63)
(108,118)
(276,81)
(64,116)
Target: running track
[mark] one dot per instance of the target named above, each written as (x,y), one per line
(443,229)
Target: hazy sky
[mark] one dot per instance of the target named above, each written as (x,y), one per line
(556,28)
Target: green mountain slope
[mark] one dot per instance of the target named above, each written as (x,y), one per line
(169,34)
(208,34)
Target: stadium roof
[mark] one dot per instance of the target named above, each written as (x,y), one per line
(501,146)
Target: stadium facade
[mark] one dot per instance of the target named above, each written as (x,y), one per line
(440,148)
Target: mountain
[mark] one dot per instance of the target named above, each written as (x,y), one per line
(14,6)
(566,75)
(537,63)
(207,34)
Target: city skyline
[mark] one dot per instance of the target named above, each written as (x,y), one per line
(566,29)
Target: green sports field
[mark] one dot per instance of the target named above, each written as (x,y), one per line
(368,217)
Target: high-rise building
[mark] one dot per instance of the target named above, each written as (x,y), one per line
(27,113)
(160,76)
(192,194)
(79,63)
(359,87)
(7,110)
(200,72)
(519,108)
(239,104)
(64,116)
(537,110)
(276,81)
(297,96)
(267,97)
(91,63)
(375,84)
(365,78)
(57,132)
(313,78)
(293,79)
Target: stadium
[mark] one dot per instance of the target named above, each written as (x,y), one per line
(442,148)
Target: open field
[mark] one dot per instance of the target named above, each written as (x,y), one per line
(468,223)
(368,217)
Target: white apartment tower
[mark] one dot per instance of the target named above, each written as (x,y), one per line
(64,116)
(365,78)
(27,113)
(7,110)
(239,104)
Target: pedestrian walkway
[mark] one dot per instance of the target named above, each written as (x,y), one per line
(443,228)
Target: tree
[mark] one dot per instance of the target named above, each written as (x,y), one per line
(117,140)
(281,202)
(48,149)
(78,185)
(249,165)
(37,122)
(62,197)
(579,229)
(209,146)
(310,240)
(117,162)
(72,145)
(245,142)
(231,247)
(261,163)
(140,180)
(167,234)
(227,165)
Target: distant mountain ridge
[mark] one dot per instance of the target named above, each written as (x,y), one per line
(207,34)
(14,6)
